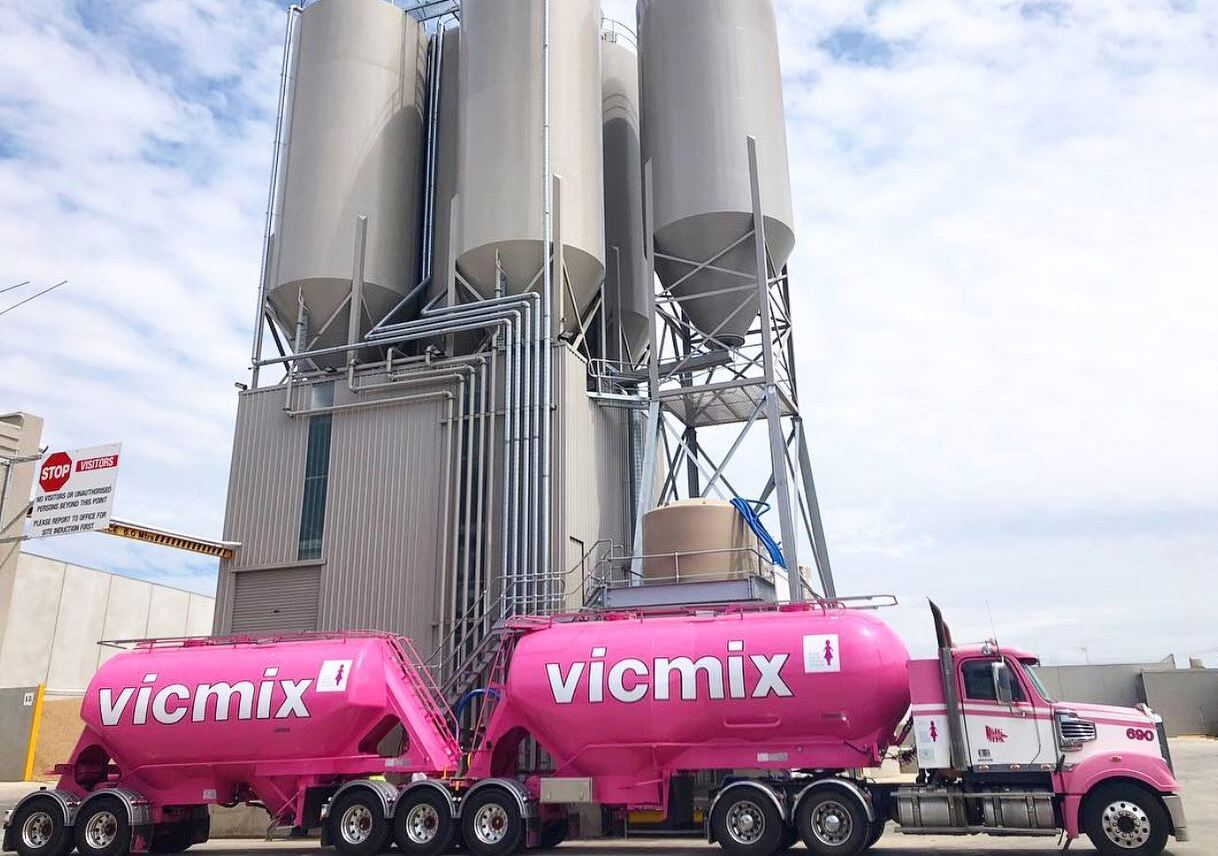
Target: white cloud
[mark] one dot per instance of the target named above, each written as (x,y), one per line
(1008,329)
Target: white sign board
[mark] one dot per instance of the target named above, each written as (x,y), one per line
(75,491)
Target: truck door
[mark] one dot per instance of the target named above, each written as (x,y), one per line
(1002,724)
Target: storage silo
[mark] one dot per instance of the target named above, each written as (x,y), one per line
(627,291)
(501,143)
(711,78)
(354,149)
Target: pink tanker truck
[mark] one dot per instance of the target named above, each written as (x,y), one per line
(346,733)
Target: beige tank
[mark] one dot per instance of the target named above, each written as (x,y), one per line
(501,151)
(694,539)
(354,148)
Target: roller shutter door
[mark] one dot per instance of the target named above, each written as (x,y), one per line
(276,601)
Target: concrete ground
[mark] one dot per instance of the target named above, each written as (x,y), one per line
(1196,760)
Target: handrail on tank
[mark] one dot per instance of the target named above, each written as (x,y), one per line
(245,639)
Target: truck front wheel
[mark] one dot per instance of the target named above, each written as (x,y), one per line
(832,822)
(746,823)
(1125,820)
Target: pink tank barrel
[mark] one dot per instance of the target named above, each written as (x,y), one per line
(197,721)
(627,700)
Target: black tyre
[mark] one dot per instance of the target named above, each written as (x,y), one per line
(172,838)
(833,822)
(38,828)
(1125,820)
(491,824)
(790,837)
(745,822)
(877,832)
(357,824)
(102,828)
(423,823)
(553,834)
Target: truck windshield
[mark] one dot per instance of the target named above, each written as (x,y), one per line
(1029,667)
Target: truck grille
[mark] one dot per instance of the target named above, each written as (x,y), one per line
(1072,731)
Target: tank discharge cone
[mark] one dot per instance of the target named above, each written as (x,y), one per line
(712,78)
(354,149)
(501,149)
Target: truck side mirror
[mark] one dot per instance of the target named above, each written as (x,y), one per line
(1002,682)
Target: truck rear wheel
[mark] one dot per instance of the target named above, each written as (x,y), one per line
(38,828)
(1125,820)
(491,824)
(172,837)
(423,822)
(102,828)
(832,822)
(746,823)
(358,826)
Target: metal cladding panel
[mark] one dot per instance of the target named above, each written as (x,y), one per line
(448,141)
(265,488)
(711,77)
(626,291)
(386,518)
(276,601)
(354,148)
(592,449)
(501,151)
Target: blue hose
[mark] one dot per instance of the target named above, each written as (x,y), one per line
(749,513)
(470,696)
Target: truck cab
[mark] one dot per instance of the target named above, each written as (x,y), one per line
(997,754)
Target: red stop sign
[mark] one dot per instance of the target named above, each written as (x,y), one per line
(55,472)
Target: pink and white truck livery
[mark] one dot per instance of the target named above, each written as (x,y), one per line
(347,733)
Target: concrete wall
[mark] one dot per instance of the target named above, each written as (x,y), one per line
(16,717)
(1186,699)
(58,613)
(1100,684)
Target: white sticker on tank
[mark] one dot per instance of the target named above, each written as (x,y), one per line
(821,653)
(333,676)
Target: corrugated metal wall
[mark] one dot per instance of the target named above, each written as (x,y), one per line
(272,601)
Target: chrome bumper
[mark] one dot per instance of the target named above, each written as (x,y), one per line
(1175,810)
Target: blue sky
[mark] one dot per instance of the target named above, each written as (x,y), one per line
(1004,286)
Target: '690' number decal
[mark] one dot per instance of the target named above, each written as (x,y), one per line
(1139,734)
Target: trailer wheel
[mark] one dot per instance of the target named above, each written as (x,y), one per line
(746,823)
(39,830)
(877,832)
(172,837)
(1125,820)
(423,822)
(103,828)
(790,837)
(832,822)
(553,834)
(491,824)
(358,826)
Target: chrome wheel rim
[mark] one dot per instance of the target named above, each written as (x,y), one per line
(745,822)
(831,823)
(356,824)
(101,830)
(422,824)
(1126,824)
(37,830)
(490,823)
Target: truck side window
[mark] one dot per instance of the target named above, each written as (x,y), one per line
(979,682)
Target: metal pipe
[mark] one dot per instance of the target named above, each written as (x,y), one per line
(547,285)
(429,187)
(259,319)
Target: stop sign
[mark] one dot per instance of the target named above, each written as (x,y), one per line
(55,472)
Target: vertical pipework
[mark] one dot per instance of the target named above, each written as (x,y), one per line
(355,311)
(547,285)
(428,238)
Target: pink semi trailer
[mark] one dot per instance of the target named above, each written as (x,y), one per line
(347,734)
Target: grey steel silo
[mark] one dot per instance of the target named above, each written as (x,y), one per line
(354,149)
(711,77)
(627,291)
(501,149)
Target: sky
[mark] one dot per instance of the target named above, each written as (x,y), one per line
(1004,290)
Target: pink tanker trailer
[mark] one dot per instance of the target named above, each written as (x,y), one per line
(346,733)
